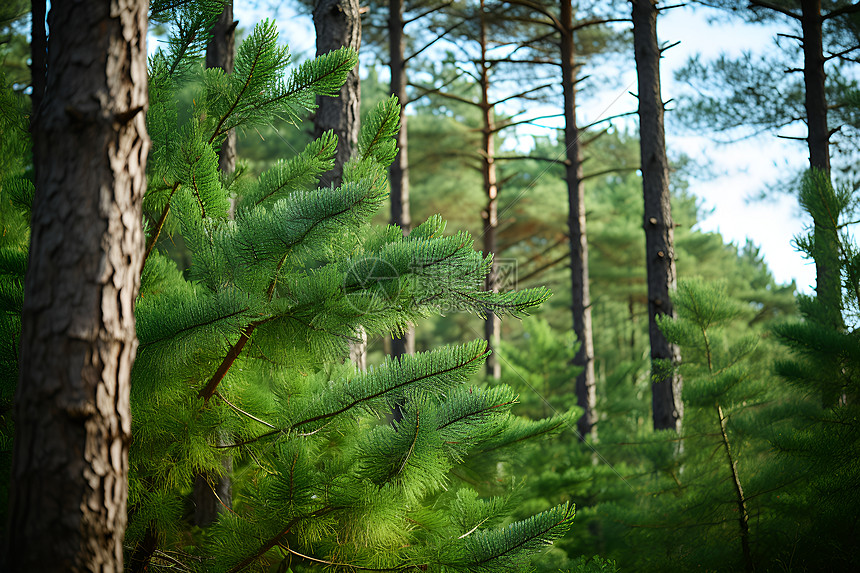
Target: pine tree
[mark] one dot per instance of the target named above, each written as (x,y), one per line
(249,342)
(68,485)
(667,405)
(824,446)
(714,505)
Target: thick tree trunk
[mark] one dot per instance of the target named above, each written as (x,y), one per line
(828,281)
(667,407)
(399,172)
(213,492)
(586,396)
(78,343)
(338,24)
(492,325)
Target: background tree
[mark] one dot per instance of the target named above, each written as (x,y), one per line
(221,53)
(823,445)
(589,33)
(212,492)
(338,24)
(78,339)
(14,48)
(668,408)
(482,29)
(808,99)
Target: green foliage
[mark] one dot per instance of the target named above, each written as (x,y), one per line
(708,482)
(823,445)
(16,195)
(242,352)
(14,47)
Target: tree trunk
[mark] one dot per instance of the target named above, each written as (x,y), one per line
(492,325)
(581,300)
(666,404)
(78,343)
(338,24)
(221,53)
(828,280)
(399,171)
(213,492)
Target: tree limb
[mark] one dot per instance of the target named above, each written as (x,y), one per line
(428,12)
(774,7)
(853,8)
(436,39)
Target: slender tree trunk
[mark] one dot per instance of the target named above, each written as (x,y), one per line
(221,53)
(828,280)
(740,499)
(581,300)
(818,138)
(492,325)
(399,172)
(78,343)
(338,24)
(213,492)
(667,407)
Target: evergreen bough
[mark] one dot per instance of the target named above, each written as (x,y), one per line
(248,343)
(824,445)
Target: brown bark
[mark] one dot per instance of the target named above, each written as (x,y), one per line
(586,396)
(399,171)
(338,24)
(740,499)
(213,492)
(492,325)
(666,405)
(221,53)
(78,343)
(828,281)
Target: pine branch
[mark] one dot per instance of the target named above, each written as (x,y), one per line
(277,538)
(478,353)
(258,54)
(485,549)
(774,7)
(159,226)
(436,39)
(849,9)
(229,359)
(540,9)
(428,12)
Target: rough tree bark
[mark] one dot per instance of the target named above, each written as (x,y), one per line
(213,493)
(78,343)
(399,171)
(338,24)
(492,325)
(586,396)
(666,405)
